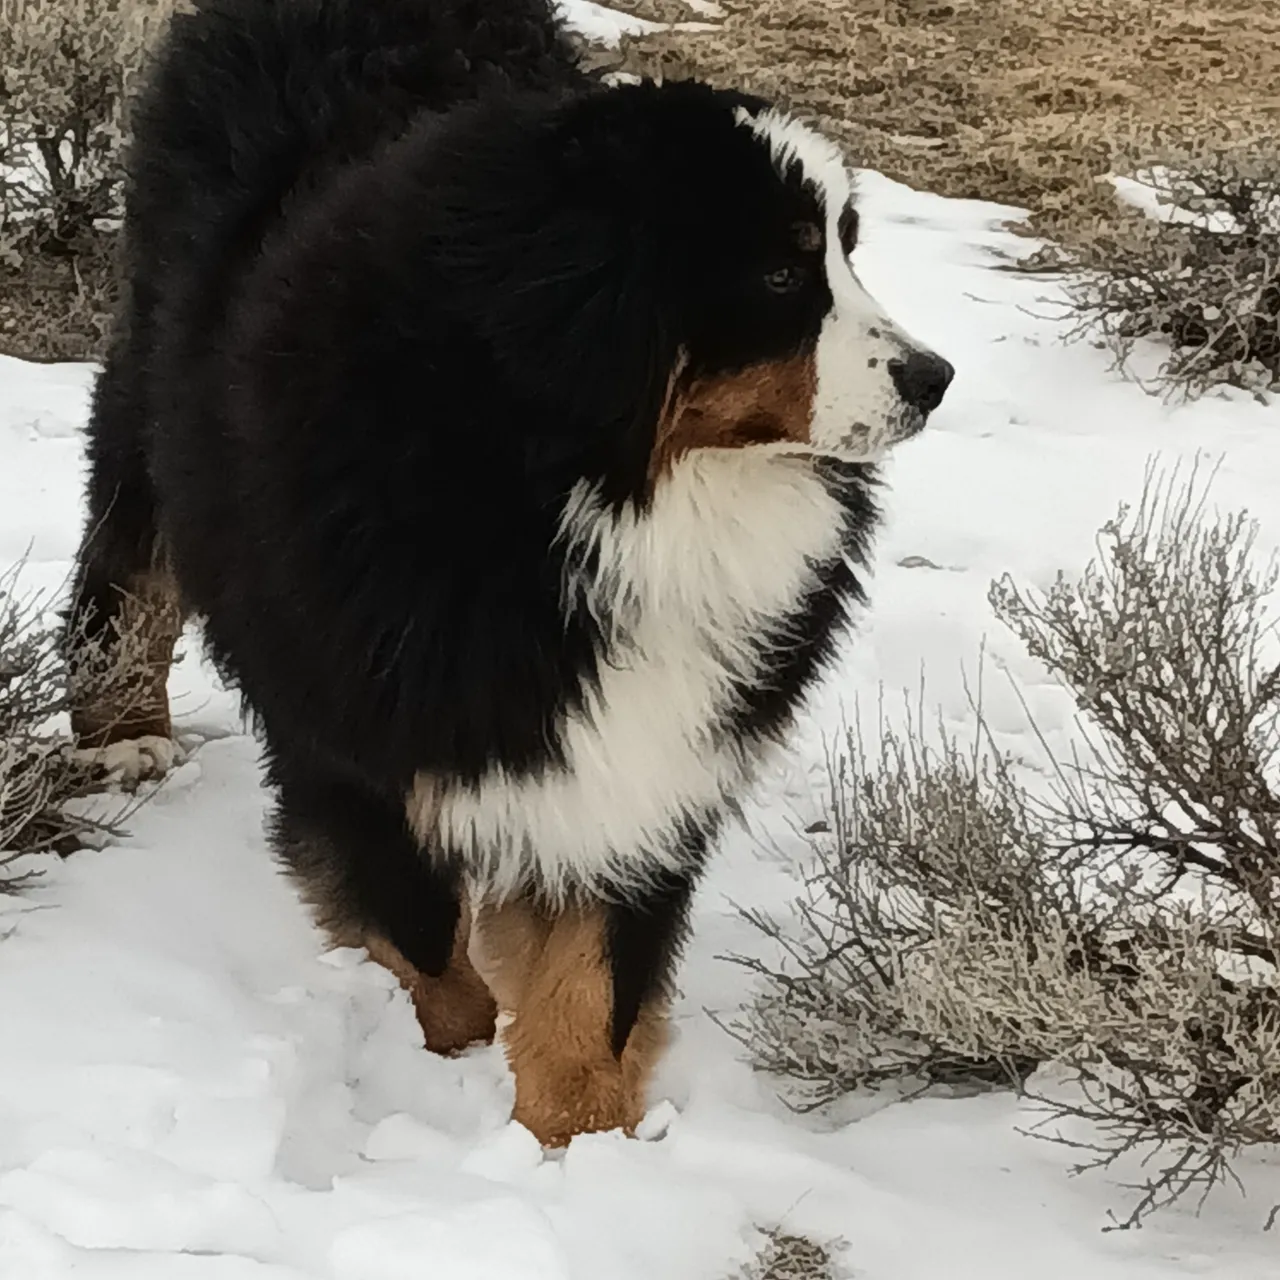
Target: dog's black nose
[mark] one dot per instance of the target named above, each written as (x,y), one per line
(922,379)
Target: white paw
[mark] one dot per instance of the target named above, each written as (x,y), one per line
(131,762)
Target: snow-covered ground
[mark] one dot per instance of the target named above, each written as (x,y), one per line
(190,1089)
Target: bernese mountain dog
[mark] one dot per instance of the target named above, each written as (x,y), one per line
(513,437)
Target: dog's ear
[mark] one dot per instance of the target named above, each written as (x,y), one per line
(563,280)
(574,319)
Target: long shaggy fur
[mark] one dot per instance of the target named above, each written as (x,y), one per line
(509,434)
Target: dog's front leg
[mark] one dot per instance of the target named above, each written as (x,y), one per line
(583,991)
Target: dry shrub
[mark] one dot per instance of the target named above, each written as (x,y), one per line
(43,776)
(66,70)
(1202,276)
(791,1257)
(1119,925)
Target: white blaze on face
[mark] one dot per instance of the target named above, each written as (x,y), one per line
(858,411)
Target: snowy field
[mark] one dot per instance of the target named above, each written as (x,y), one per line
(191,1089)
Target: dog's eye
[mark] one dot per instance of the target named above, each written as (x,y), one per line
(848,228)
(786,279)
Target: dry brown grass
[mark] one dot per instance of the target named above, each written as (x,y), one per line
(1206,285)
(58,308)
(1020,102)
(1031,104)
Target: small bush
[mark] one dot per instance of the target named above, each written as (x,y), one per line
(1121,926)
(1203,276)
(43,775)
(66,70)
(791,1257)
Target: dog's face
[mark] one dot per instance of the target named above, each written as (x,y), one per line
(781,344)
(677,276)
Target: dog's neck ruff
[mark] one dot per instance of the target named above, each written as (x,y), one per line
(693,593)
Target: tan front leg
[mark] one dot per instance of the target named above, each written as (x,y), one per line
(550,976)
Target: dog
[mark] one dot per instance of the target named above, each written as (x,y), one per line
(513,437)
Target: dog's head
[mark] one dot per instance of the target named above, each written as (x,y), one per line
(673,273)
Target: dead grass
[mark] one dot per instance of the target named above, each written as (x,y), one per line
(1017,102)
(1026,103)
(1031,104)
(59,308)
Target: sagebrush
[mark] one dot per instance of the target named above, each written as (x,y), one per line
(44,775)
(67,69)
(1202,277)
(1117,925)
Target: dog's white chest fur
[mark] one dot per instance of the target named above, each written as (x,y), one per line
(688,591)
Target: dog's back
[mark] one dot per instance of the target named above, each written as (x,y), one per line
(249,96)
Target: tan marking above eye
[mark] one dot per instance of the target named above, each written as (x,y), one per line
(766,403)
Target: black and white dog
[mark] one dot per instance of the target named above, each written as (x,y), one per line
(513,438)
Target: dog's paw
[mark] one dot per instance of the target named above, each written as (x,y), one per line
(657,1122)
(134,761)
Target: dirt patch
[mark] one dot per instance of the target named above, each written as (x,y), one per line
(1022,101)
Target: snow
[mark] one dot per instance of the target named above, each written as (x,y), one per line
(596,22)
(192,1089)
(608,26)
